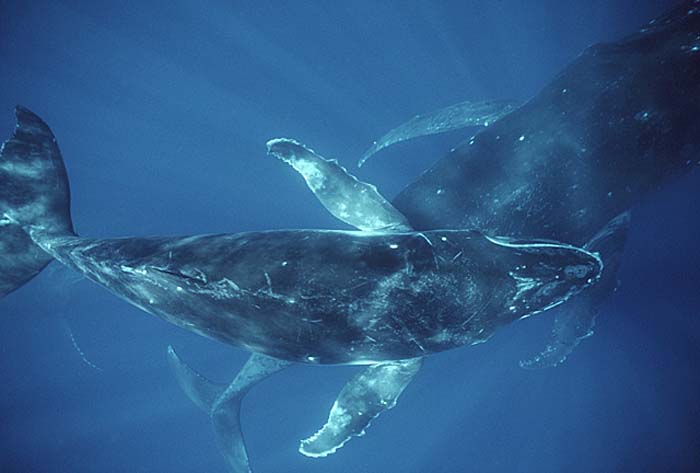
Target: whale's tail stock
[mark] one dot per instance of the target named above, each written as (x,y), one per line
(34,196)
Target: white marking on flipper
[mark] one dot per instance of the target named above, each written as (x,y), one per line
(362,400)
(347,198)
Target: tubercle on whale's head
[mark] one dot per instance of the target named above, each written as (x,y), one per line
(547,274)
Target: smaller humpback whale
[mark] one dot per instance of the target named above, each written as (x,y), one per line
(384,297)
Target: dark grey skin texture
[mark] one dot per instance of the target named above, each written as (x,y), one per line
(312,296)
(332,297)
(615,125)
(618,123)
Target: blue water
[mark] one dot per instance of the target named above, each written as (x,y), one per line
(162,114)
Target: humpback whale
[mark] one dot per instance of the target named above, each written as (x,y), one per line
(384,297)
(472,245)
(571,163)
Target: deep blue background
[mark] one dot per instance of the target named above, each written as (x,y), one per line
(162,114)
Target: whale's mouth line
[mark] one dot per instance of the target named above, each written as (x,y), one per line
(542,245)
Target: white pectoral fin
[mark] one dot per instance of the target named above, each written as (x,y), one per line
(452,117)
(347,198)
(363,399)
(223,403)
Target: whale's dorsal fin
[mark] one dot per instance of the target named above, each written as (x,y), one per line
(362,400)
(223,403)
(347,198)
(452,117)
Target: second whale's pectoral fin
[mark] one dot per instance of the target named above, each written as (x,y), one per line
(576,320)
(347,198)
(223,403)
(574,323)
(453,117)
(363,399)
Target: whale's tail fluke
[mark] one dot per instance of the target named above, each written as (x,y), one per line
(34,195)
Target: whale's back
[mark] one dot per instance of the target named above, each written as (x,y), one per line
(610,128)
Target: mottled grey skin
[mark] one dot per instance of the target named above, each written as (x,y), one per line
(329,297)
(618,123)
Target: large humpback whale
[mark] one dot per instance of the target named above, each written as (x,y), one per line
(618,123)
(615,125)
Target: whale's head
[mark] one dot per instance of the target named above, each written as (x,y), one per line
(545,274)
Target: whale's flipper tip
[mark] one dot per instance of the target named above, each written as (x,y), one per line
(348,199)
(363,399)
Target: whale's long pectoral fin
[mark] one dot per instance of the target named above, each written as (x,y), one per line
(223,403)
(363,399)
(453,117)
(576,320)
(571,326)
(347,198)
